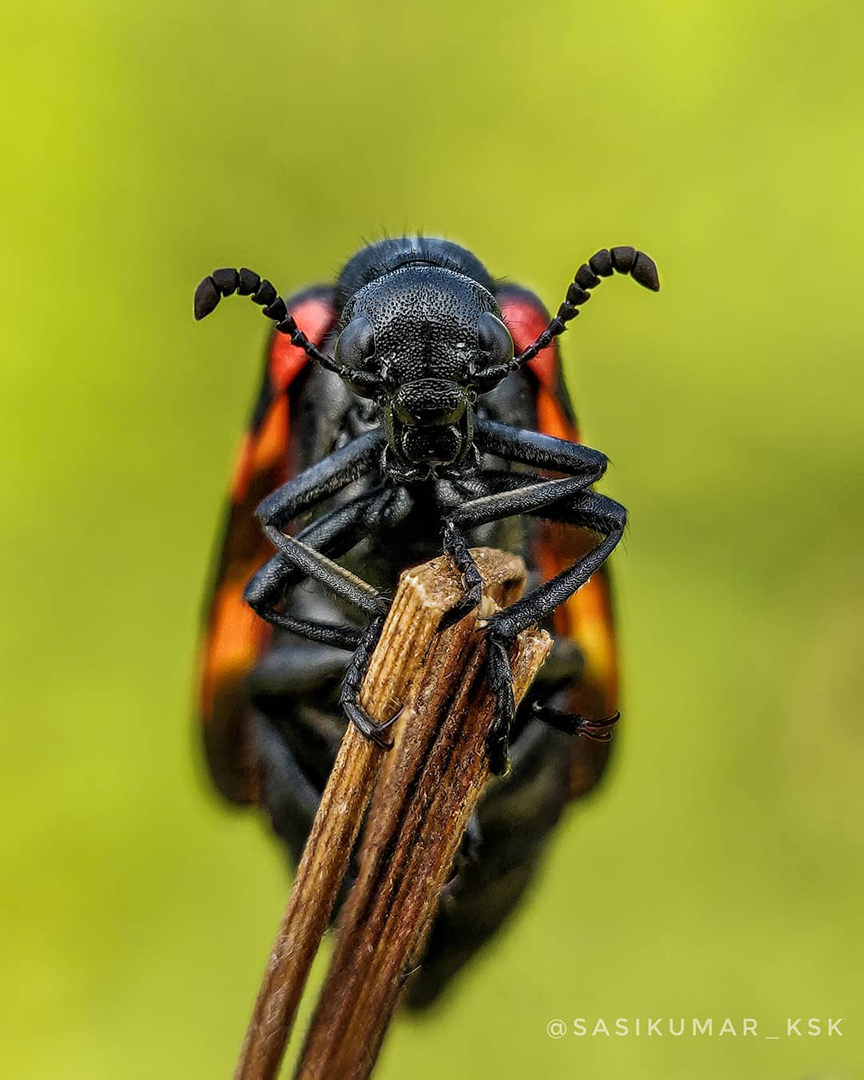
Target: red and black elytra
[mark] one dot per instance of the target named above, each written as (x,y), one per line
(414,407)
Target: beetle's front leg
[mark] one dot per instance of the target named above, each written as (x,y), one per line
(322,480)
(582,465)
(456,546)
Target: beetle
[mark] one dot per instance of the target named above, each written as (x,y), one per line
(414,407)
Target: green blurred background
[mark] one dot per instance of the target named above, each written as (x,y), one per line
(719,872)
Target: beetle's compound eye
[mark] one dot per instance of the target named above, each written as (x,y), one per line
(356,343)
(494,339)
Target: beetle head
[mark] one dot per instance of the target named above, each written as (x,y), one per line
(422,339)
(417,341)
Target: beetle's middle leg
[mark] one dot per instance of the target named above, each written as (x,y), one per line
(301,557)
(549,499)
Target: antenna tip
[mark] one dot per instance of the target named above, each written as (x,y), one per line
(645,272)
(207,296)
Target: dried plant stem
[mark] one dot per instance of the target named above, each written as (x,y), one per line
(430,784)
(419,812)
(319,875)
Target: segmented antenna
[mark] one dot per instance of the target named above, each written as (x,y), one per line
(246,282)
(606,262)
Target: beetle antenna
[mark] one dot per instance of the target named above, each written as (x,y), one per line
(624,260)
(246,282)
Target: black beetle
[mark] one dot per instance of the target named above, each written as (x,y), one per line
(432,416)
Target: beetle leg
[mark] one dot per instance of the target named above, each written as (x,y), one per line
(289,670)
(321,480)
(588,510)
(299,558)
(349,698)
(456,546)
(523,493)
(269,585)
(574,724)
(469,851)
(290,796)
(562,500)
(335,533)
(341,636)
(541,451)
(603,516)
(584,465)
(316,565)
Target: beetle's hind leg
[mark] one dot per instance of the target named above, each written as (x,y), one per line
(575,724)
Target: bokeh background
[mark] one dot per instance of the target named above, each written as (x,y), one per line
(719,872)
